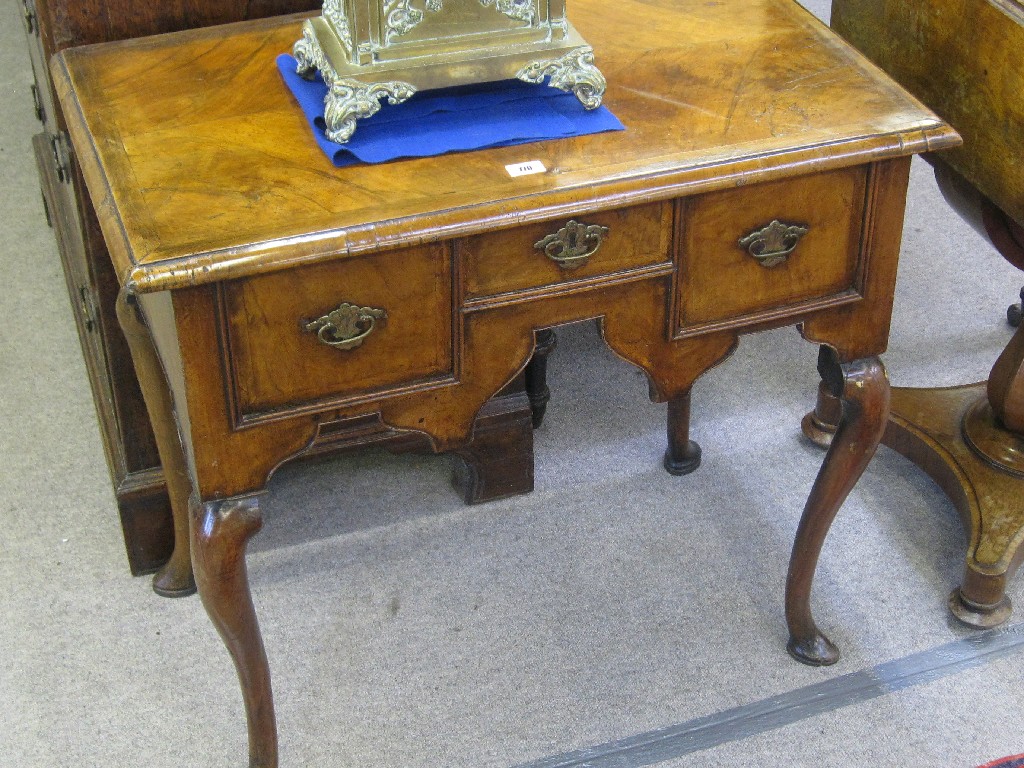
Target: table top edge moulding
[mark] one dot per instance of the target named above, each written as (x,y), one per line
(149,253)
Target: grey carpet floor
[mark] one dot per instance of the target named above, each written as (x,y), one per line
(406,630)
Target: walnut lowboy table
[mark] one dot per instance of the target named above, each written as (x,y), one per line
(760,183)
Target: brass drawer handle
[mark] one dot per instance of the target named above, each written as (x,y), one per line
(573,244)
(347,326)
(772,244)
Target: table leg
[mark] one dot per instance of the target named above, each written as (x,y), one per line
(174,579)
(682,455)
(537,374)
(1015,311)
(863,388)
(220,531)
(820,424)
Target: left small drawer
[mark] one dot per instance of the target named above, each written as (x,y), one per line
(332,334)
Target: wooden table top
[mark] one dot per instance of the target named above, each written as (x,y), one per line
(203,168)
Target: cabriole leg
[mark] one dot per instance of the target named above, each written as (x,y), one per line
(174,579)
(220,532)
(863,388)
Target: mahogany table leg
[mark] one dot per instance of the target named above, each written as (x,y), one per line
(682,455)
(537,374)
(174,579)
(863,388)
(220,532)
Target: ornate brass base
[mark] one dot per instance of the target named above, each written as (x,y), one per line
(358,84)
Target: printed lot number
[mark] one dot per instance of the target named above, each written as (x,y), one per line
(525,169)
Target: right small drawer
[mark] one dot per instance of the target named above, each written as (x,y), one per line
(763,248)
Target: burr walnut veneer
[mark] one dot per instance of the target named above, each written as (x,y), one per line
(759,183)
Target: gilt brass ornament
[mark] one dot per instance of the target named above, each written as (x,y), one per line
(771,245)
(375,51)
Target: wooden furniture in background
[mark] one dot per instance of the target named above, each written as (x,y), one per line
(500,460)
(760,183)
(51,26)
(965,60)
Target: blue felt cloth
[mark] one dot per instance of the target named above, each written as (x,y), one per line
(450,119)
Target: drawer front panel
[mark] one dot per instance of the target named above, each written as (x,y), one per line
(281,355)
(511,260)
(812,252)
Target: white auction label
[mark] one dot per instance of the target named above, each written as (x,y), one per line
(525,169)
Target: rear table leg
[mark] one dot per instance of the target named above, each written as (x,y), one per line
(682,455)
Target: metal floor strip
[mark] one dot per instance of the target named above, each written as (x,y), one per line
(768,714)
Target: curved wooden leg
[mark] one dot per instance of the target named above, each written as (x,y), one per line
(682,455)
(863,388)
(174,579)
(537,375)
(220,532)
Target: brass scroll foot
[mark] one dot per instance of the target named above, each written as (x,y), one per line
(575,71)
(347,100)
(350,100)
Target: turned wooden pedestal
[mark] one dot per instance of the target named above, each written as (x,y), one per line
(952,435)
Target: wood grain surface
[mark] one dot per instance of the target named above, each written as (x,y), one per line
(965,60)
(707,92)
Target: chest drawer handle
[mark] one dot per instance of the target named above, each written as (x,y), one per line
(573,244)
(772,244)
(347,326)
